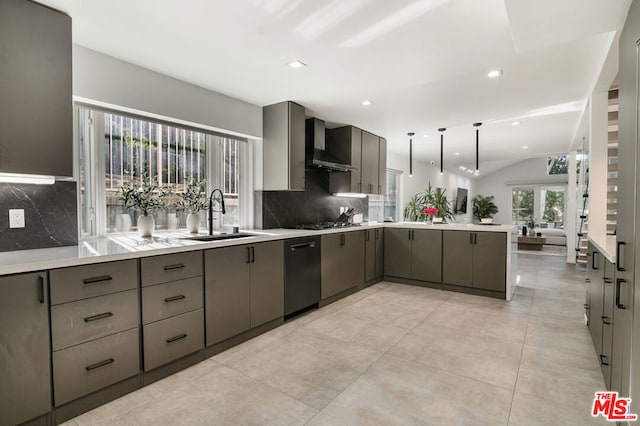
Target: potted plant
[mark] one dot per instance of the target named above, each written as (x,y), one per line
(414,210)
(145,197)
(438,200)
(484,208)
(193,200)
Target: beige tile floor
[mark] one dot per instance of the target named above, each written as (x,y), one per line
(396,354)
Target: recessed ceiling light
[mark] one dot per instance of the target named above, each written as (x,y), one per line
(457,153)
(494,73)
(515,123)
(462,168)
(524,147)
(367,102)
(426,135)
(297,64)
(477,173)
(469,171)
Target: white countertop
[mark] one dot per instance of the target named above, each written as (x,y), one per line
(605,245)
(131,246)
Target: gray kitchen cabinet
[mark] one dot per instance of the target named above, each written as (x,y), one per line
(397,252)
(382,167)
(35,83)
(244,288)
(426,255)
(170,267)
(627,316)
(595,274)
(413,254)
(343,264)
(25,367)
(475,259)
(374,254)
(267,282)
(607,322)
(457,258)
(370,160)
(345,144)
(283,133)
(227,292)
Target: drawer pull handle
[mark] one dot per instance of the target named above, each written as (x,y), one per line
(174,298)
(100,364)
(97,279)
(40,289)
(602,357)
(172,267)
(179,337)
(98,317)
(605,320)
(619,305)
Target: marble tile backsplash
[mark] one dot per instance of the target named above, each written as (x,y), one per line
(50,211)
(284,209)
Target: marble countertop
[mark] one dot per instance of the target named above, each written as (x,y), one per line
(131,246)
(606,245)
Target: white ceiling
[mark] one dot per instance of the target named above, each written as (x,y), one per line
(423,63)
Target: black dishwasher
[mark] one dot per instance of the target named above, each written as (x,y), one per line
(302,274)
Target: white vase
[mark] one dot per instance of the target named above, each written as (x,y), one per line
(172,221)
(123,222)
(193,223)
(146,225)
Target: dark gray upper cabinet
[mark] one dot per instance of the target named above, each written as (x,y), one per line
(382,167)
(363,150)
(25,387)
(628,224)
(36,90)
(343,262)
(283,132)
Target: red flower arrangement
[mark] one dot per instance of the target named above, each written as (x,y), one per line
(431,211)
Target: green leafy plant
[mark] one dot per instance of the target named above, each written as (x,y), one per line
(145,196)
(483,207)
(414,210)
(193,198)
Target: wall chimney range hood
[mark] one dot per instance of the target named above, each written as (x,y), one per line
(316,156)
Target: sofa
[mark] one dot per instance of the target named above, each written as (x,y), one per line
(553,236)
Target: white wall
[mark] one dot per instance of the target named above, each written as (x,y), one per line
(103,78)
(423,173)
(499,184)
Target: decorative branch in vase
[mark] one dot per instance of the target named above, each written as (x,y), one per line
(193,200)
(145,196)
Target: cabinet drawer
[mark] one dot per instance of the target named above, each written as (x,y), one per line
(83,282)
(170,267)
(85,368)
(170,339)
(170,299)
(84,320)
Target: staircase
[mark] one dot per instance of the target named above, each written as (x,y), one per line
(582,241)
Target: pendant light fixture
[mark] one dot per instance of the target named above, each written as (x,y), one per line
(410,134)
(477,126)
(442,130)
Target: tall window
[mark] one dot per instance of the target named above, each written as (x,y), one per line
(392,200)
(117,149)
(522,206)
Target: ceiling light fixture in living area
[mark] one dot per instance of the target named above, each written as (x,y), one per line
(494,73)
(515,123)
(410,134)
(477,126)
(367,102)
(442,130)
(297,64)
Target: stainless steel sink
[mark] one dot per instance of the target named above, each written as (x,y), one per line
(217,237)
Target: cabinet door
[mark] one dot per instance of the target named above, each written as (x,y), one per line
(457,258)
(332,265)
(296,146)
(370,254)
(353,259)
(379,235)
(25,368)
(596,290)
(267,282)
(490,260)
(621,340)
(382,167)
(370,148)
(227,292)
(35,83)
(397,252)
(426,255)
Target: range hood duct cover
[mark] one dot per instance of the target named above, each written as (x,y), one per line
(316,155)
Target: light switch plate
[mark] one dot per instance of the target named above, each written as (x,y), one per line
(16,218)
